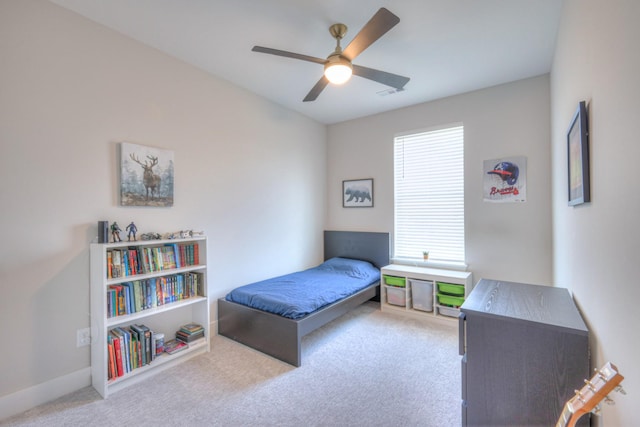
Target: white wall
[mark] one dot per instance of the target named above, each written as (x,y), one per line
(503,241)
(597,60)
(248,173)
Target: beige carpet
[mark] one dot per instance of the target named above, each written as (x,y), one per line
(366,368)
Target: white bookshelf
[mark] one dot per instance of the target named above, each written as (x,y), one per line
(166,318)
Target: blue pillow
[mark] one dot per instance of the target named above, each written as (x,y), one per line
(351,267)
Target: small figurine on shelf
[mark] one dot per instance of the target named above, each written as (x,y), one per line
(151,236)
(131,231)
(182,234)
(115,232)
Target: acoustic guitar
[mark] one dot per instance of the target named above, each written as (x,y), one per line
(589,397)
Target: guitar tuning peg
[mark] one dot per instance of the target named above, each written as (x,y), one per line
(609,401)
(620,390)
(590,385)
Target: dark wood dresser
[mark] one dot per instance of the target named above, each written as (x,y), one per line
(525,350)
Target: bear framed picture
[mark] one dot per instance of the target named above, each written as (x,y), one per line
(357,193)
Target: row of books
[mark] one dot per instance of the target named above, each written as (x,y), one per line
(138,295)
(129,348)
(122,262)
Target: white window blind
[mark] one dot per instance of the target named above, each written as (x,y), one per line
(429,195)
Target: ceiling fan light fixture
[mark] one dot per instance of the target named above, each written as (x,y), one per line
(338,69)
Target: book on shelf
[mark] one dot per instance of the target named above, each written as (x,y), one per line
(144,338)
(118,342)
(140,347)
(117,355)
(125,263)
(190,332)
(116,267)
(192,327)
(109,264)
(169,257)
(174,346)
(129,297)
(134,348)
(177,257)
(147,343)
(152,346)
(125,340)
(111,357)
(188,338)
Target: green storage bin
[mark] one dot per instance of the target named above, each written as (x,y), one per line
(451,289)
(450,300)
(395,281)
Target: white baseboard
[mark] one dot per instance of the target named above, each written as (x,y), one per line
(31,397)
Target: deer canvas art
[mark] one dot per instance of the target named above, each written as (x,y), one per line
(146,176)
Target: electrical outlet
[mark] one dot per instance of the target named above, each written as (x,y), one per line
(83,337)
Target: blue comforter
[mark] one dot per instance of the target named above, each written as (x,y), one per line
(298,294)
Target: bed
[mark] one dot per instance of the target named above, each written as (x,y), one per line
(280,336)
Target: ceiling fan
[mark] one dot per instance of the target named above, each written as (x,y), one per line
(338,67)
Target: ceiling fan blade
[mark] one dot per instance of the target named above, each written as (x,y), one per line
(315,91)
(288,54)
(383,77)
(377,26)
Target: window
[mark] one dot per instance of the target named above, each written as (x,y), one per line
(429,195)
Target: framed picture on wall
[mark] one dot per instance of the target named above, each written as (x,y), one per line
(505,179)
(146,176)
(357,193)
(578,157)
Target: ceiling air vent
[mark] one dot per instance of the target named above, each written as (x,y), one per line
(389,91)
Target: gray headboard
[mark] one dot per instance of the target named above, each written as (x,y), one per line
(369,246)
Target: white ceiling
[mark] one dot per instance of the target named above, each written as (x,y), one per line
(446,47)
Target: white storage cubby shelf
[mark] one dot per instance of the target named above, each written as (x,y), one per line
(419,296)
(166,318)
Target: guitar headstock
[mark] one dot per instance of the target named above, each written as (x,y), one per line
(605,380)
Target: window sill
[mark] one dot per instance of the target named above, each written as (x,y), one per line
(431,263)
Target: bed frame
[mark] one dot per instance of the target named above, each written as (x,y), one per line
(281,337)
